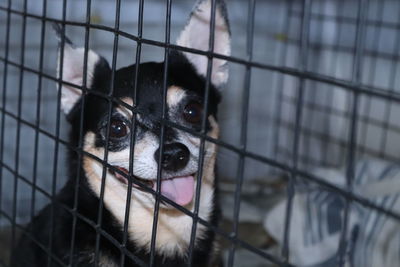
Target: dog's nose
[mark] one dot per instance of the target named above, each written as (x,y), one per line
(175,156)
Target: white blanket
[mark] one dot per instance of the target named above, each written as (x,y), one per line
(373,239)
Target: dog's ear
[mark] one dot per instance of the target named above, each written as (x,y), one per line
(196,35)
(72,70)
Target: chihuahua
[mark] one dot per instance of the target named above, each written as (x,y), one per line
(85,224)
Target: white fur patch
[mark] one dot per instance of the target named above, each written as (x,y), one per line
(197,34)
(72,72)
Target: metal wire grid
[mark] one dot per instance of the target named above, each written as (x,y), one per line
(353,87)
(367,80)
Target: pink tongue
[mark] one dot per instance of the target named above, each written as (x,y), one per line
(179,189)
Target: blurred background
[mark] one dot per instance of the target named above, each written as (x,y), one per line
(326,109)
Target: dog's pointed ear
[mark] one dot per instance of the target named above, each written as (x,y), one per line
(72,60)
(196,34)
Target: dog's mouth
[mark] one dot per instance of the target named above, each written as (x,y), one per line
(179,189)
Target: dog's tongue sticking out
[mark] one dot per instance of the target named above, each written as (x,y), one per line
(179,189)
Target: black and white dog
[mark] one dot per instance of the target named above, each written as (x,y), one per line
(179,167)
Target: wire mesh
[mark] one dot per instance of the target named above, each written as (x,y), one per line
(333,78)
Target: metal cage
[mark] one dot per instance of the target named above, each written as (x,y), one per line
(314,86)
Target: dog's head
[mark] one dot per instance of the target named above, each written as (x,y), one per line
(135,116)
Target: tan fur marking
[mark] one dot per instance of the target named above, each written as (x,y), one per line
(214,133)
(123,110)
(174,95)
(127,100)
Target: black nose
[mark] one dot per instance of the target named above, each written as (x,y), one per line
(175,156)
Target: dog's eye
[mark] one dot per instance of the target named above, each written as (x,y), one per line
(193,112)
(118,128)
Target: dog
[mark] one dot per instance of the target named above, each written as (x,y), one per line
(70,222)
